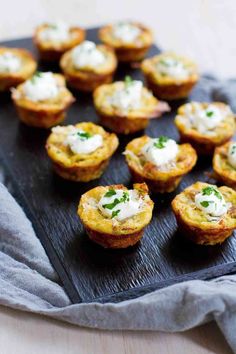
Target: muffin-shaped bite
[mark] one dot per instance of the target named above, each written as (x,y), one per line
(115,217)
(130,40)
(206,214)
(205,125)
(88,66)
(170,76)
(126,106)
(54,39)
(80,152)
(159,162)
(16,66)
(224,164)
(42,100)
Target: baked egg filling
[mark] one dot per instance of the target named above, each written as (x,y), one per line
(41,86)
(9,62)
(172,67)
(160,151)
(231,155)
(120,204)
(127,96)
(87,55)
(78,140)
(55,32)
(126,32)
(204,119)
(211,201)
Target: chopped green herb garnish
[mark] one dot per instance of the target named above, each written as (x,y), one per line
(36,75)
(233,150)
(206,203)
(167,63)
(52,26)
(128,80)
(112,205)
(110,193)
(160,142)
(209,113)
(115,213)
(210,190)
(123,199)
(84,135)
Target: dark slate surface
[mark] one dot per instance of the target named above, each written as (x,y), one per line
(88,272)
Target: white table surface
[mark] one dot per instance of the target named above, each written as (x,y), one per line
(202,29)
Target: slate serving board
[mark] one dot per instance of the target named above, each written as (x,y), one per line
(88,272)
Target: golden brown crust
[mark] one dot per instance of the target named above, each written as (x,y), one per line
(129,121)
(205,144)
(158,180)
(128,52)
(29,64)
(193,222)
(167,87)
(51,51)
(110,233)
(81,167)
(43,114)
(223,171)
(88,79)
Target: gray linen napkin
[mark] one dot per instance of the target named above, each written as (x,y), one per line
(28,281)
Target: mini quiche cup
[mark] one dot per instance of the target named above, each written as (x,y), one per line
(205,144)
(111,233)
(81,167)
(88,79)
(128,52)
(43,114)
(223,171)
(12,79)
(51,50)
(158,180)
(165,86)
(129,122)
(193,222)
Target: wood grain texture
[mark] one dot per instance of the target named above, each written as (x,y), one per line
(87,271)
(29,334)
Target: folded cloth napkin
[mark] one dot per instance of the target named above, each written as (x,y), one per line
(28,281)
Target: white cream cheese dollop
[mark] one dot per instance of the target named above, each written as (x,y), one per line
(126,32)
(173,68)
(204,119)
(41,87)
(120,204)
(79,141)
(211,201)
(232,154)
(55,32)
(87,55)
(9,63)
(160,151)
(127,96)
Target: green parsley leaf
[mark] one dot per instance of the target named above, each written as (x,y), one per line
(112,205)
(209,190)
(123,199)
(233,150)
(206,203)
(115,213)
(36,75)
(84,135)
(128,80)
(209,114)
(110,193)
(160,142)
